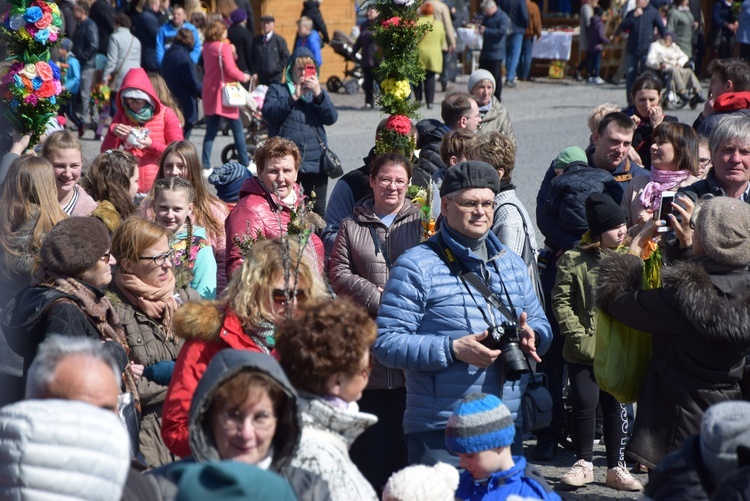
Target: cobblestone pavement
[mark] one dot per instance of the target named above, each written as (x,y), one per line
(564,459)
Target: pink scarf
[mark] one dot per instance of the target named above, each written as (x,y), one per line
(660,181)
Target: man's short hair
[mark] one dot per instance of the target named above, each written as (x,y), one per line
(498,150)
(620,119)
(53,350)
(455,143)
(123,20)
(456,105)
(82,5)
(731,129)
(736,70)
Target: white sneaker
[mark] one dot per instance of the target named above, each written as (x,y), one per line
(599,81)
(580,474)
(590,80)
(620,478)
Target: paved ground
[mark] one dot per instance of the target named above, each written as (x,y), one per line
(548,116)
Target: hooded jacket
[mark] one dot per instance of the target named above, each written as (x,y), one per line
(63,450)
(700,337)
(164,126)
(226,364)
(259,212)
(206,330)
(726,104)
(301,121)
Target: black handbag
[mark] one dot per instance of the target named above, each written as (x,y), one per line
(537,403)
(329,161)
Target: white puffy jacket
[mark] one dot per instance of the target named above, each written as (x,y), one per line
(670,57)
(61,450)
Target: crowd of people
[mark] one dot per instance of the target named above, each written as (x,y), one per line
(186,339)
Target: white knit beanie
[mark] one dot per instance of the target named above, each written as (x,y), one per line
(422,483)
(726,425)
(480,75)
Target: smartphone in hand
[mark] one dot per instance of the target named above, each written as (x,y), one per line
(310,70)
(667,197)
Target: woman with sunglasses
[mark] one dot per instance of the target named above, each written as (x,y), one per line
(144,297)
(276,276)
(368,242)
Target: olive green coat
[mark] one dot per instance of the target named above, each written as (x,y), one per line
(148,345)
(431,45)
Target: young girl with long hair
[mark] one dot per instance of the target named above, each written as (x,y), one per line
(180,159)
(194,263)
(64,152)
(113,177)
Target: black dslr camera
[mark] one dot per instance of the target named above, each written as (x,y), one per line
(505,337)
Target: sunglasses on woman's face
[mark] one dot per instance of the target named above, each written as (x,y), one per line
(280,296)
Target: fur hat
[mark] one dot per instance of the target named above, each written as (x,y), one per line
(422,483)
(237,16)
(74,245)
(570,156)
(228,180)
(471,174)
(725,426)
(723,226)
(603,213)
(478,76)
(479,423)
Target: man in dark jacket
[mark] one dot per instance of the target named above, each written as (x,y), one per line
(270,54)
(145,28)
(640,23)
(612,141)
(178,70)
(103,14)
(242,40)
(495,26)
(85,46)
(69,19)
(519,19)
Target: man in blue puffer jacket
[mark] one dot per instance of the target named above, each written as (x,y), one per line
(431,323)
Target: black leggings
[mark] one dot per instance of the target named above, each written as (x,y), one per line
(584,395)
(429,88)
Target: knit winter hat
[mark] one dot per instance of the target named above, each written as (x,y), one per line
(74,245)
(237,16)
(571,155)
(422,483)
(67,44)
(480,422)
(471,174)
(603,213)
(723,225)
(228,180)
(478,76)
(725,426)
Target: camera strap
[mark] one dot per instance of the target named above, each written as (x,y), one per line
(457,268)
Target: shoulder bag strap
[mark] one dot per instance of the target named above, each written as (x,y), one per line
(221,66)
(117,71)
(379,247)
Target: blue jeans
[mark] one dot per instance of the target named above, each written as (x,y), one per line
(513,44)
(524,62)
(594,60)
(212,128)
(636,63)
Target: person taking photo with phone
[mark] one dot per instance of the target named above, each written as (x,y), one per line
(298,110)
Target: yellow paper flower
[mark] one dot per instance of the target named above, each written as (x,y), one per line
(399,89)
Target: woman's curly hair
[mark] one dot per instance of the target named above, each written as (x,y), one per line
(325,339)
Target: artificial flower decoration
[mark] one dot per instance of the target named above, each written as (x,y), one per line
(31,84)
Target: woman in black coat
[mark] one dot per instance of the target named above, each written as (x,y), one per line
(699,320)
(242,39)
(178,70)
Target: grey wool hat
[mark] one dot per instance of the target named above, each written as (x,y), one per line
(74,245)
(478,76)
(471,174)
(725,426)
(723,226)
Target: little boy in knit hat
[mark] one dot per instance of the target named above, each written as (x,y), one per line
(480,433)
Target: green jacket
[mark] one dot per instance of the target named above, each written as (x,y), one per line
(573,301)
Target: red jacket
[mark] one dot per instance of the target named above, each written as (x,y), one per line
(165,129)
(256,212)
(732,101)
(207,331)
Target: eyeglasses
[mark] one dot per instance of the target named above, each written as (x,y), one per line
(160,259)
(385,182)
(280,296)
(471,205)
(234,421)
(704,162)
(106,257)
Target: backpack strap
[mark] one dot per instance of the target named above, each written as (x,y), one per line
(625,176)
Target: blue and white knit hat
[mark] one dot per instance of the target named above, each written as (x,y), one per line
(480,422)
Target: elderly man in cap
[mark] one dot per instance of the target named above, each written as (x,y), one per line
(450,310)
(270,54)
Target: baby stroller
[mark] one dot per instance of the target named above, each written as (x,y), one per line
(353,77)
(256,130)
